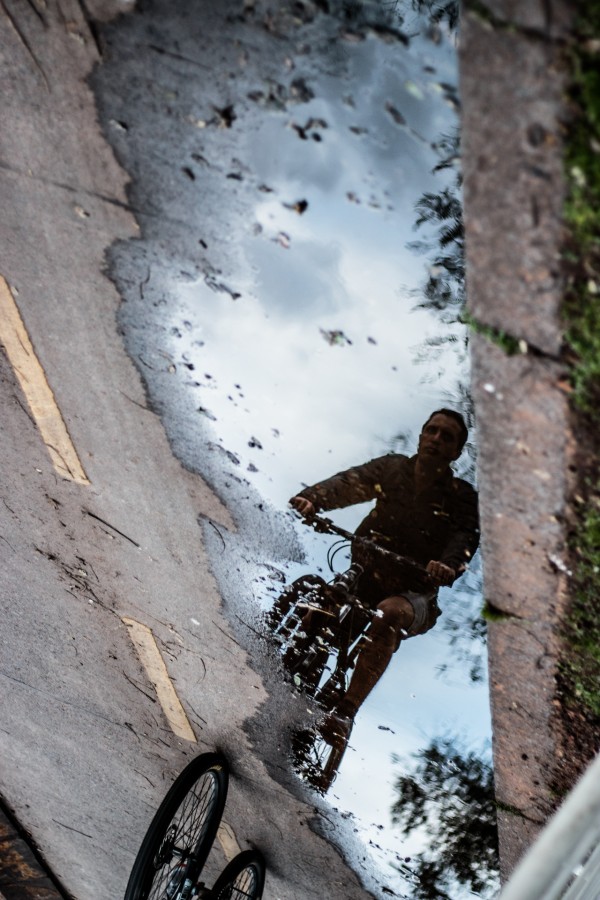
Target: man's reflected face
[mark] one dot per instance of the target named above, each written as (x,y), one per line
(440,439)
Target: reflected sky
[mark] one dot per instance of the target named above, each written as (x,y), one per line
(313,365)
(296,345)
(312,368)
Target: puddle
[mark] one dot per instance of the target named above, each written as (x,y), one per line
(275,308)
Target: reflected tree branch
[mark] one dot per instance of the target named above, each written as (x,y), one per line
(449,795)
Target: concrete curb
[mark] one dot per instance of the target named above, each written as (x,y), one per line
(513,82)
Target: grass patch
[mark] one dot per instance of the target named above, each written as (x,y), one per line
(491,613)
(511,345)
(580,666)
(581,310)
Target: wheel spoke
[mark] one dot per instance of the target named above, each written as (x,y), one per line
(244,886)
(183,837)
(179,838)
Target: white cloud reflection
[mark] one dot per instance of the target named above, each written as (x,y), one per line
(311,405)
(316,408)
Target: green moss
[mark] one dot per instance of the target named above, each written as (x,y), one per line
(487,17)
(581,309)
(506,807)
(581,665)
(491,613)
(511,345)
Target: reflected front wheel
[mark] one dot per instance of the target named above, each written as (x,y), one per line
(242,879)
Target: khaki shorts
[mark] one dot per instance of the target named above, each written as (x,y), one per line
(426,611)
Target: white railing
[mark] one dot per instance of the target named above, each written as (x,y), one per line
(564,862)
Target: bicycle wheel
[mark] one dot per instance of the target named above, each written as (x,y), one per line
(241,879)
(183,829)
(316,759)
(283,619)
(332,690)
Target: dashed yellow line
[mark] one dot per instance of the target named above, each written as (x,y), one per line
(150,657)
(228,841)
(152,661)
(38,392)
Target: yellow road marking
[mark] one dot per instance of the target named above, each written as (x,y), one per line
(228,841)
(151,659)
(38,392)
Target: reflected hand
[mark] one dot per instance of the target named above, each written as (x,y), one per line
(303,506)
(440,573)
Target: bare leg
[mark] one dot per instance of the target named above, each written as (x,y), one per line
(396,614)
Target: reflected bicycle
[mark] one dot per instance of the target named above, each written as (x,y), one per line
(321,628)
(175,848)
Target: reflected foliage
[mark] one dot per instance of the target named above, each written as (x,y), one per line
(450,796)
(444,290)
(439,12)
(365,13)
(466,628)
(436,12)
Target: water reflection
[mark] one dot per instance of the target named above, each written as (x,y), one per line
(337,640)
(299,329)
(421,534)
(450,794)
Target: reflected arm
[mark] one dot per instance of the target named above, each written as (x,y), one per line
(464,541)
(356,485)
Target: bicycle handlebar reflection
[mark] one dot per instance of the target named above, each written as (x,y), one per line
(322,525)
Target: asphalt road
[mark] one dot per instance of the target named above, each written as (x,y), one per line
(87,750)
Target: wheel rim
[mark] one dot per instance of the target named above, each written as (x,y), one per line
(183,837)
(243,887)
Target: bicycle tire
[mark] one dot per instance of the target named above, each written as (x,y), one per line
(242,879)
(331,691)
(186,822)
(283,618)
(316,760)
(305,652)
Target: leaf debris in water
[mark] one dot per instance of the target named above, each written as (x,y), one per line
(395,113)
(335,337)
(414,90)
(300,206)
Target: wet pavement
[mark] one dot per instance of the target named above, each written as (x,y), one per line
(251,145)
(271,305)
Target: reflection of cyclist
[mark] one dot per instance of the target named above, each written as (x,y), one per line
(421,511)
